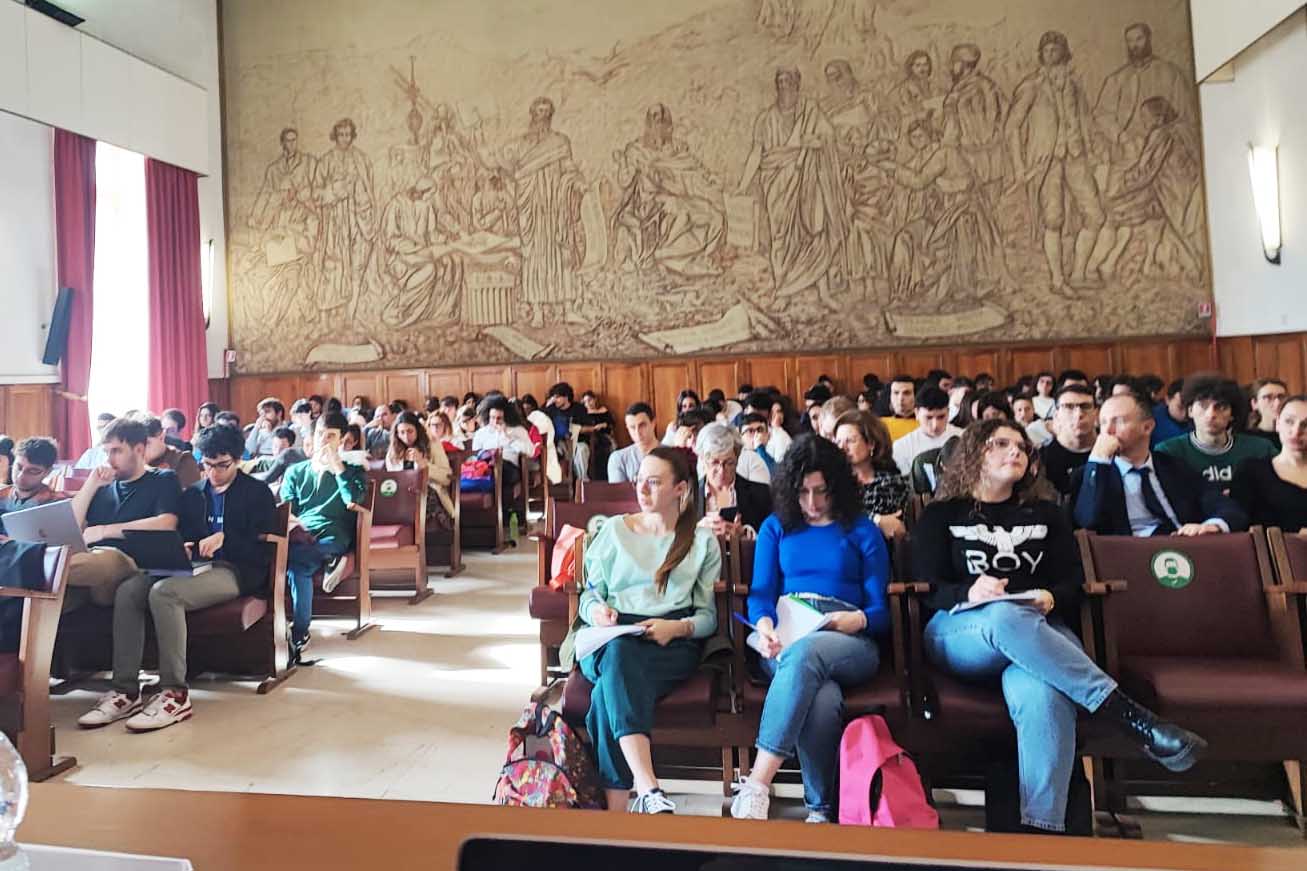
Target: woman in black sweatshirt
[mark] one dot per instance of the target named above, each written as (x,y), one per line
(987,536)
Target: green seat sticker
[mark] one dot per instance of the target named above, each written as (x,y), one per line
(389,487)
(1172,569)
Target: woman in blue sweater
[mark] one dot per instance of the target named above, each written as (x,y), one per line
(820,546)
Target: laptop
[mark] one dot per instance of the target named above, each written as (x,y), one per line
(161,552)
(53,523)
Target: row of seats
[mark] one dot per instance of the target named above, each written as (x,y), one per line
(1220,650)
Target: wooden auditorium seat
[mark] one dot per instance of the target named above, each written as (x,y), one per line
(445,546)
(399,532)
(604,491)
(1207,637)
(483,511)
(25,675)
(353,598)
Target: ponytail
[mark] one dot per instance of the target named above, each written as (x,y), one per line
(685,522)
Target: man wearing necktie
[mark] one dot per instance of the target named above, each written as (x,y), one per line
(1125,489)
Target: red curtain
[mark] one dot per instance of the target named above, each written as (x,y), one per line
(178,364)
(74,217)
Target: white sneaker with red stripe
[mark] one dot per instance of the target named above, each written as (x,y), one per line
(165,709)
(111,707)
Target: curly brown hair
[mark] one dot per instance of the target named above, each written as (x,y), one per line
(962,472)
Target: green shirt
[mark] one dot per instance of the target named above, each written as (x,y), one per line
(619,572)
(1217,466)
(321,500)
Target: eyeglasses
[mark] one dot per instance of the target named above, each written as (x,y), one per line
(1003,444)
(1076,406)
(756,429)
(217,467)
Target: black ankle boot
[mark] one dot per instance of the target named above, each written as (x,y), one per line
(1165,743)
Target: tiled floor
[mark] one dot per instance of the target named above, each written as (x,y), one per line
(419,709)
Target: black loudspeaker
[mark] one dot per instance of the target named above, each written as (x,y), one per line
(57,339)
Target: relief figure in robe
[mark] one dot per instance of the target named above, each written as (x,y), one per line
(345,194)
(976,107)
(285,215)
(426,277)
(671,213)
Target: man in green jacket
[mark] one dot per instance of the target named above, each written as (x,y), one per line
(321,491)
(1217,445)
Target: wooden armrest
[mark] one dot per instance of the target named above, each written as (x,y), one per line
(740,589)
(354,506)
(1102,588)
(913,588)
(1293,588)
(21,593)
(272,538)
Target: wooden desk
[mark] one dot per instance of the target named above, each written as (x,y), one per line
(233,831)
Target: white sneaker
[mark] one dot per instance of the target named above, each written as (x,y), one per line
(165,709)
(751,801)
(111,707)
(816,817)
(655,801)
(337,574)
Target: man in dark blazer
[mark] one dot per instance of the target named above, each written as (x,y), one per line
(1125,489)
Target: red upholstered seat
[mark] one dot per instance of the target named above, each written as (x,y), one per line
(980,706)
(690,704)
(546,603)
(227,618)
(11,674)
(1203,684)
(391,536)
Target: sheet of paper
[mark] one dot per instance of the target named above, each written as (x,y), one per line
(591,638)
(1029,596)
(796,618)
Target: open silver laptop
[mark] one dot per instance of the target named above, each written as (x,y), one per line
(53,523)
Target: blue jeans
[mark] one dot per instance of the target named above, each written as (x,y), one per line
(630,675)
(1044,673)
(804,711)
(303,561)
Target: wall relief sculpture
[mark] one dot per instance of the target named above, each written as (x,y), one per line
(429,182)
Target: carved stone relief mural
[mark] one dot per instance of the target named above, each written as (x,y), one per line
(430,182)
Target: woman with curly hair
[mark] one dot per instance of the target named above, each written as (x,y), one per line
(818,546)
(988,534)
(884,489)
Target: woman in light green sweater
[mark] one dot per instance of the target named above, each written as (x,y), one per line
(655,569)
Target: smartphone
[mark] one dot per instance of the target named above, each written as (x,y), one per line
(729,514)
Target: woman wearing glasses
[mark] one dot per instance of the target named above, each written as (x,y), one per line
(986,536)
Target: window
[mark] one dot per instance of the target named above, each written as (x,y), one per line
(121,326)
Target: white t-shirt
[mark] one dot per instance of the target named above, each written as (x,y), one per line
(751,467)
(514,441)
(1043,406)
(916,442)
(778,443)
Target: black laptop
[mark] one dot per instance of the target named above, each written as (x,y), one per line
(161,552)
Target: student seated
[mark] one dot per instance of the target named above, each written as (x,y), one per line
(756,462)
(601,439)
(655,568)
(1044,398)
(1272,490)
(497,432)
(1218,444)
(222,518)
(986,535)
(321,491)
(302,420)
(1023,412)
(33,460)
(96,455)
(123,494)
(883,489)
(903,406)
(686,401)
(831,410)
(818,545)
(1266,398)
(411,448)
(207,415)
(376,435)
(814,398)
(272,414)
(624,464)
(1170,417)
(440,431)
(160,455)
(288,453)
(1075,428)
(174,423)
(467,425)
(780,421)
(721,489)
(1126,489)
(930,406)
(563,410)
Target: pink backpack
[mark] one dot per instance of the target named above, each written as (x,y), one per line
(879,784)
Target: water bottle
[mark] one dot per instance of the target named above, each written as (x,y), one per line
(512,526)
(13,804)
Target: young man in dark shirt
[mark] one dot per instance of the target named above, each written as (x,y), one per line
(1170,417)
(120,495)
(1218,444)
(174,421)
(563,411)
(160,455)
(33,460)
(1075,420)
(222,519)
(288,454)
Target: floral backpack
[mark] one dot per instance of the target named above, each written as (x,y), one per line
(547,764)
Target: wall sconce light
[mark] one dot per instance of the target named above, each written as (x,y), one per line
(206,279)
(1263,168)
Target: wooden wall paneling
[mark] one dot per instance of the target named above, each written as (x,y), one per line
(771,372)
(666,380)
(624,383)
(808,368)
(582,377)
(1029,361)
(857,365)
(219,392)
(316,383)
(535,380)
(971,363)
(367,385)
(1091,359)
(917,363)
(1280,357)
(1146,358)
(446,382)
(1193,355)
(28,410)
(1238,359)
(245,401)
(723,375)
(403,385)
(483,379)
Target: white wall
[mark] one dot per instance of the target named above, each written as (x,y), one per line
(1263,104)
(179,37)
(27,255)
(1223,28)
